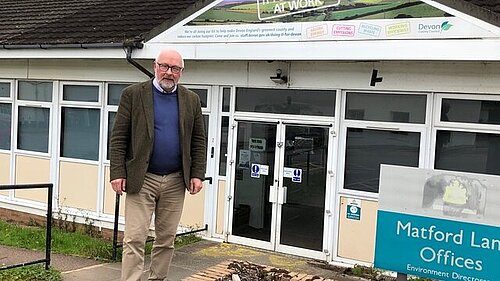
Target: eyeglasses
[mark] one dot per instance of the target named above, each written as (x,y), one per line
(165,67)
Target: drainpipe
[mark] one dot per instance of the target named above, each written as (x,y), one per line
(128,50)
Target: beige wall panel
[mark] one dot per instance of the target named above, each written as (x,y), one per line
(32,170)
(78,185)
(14,68)
(4,171)
(221,191)
(110,197)
(193,211)
(87,70)
(357,237)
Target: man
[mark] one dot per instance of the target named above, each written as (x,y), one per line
(157,151)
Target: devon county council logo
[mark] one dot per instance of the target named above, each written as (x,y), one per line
(446,25)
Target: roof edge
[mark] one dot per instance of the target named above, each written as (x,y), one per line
(62,46)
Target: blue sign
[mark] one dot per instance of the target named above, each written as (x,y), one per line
(297,175)
(255,171)
(437,248)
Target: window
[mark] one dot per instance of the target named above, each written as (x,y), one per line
(35,91)
(470,111)
(80,121)
(224,131)
(468,152)
(33,129)
(80,133)
(289,101)
(5,115)
(203,94)
(367,149)
(82,93)
(114,94)
(381,128)
(386,107)
(34,113)
(4,90)
(467,133)
(5,125)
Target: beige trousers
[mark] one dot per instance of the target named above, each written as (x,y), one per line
(163,195)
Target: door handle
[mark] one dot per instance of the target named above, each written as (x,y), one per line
(282,195)
(272,194)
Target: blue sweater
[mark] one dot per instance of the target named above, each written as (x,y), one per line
(166,156)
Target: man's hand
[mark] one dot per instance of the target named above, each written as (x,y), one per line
(119,185)
(196,186)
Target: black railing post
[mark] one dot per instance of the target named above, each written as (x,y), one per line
(48,236)
(115,227)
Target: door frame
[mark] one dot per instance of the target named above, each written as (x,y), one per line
(281,122)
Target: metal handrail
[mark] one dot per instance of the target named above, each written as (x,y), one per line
(48,236)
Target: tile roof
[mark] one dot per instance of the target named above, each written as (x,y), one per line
(54,22)
(34,22)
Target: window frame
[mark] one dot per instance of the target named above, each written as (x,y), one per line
(81,105)
(35,104)
(458,126)
(107,109)
(438,102)
(422,128)
(9,100)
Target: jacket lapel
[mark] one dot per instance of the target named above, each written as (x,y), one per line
(147,105)
(181,97)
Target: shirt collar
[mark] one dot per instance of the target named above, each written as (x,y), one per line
(156,84)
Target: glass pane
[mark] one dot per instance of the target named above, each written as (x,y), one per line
(306,148)
(223,145)
(386,107)
(286,101)
(4,90)
(251,209)
(203,93)
(206,119)
(33,129)
(35,91)
(468,152)
(367,149)
(115,92)
(81,93)
(470,111)
(80,133)
(226,99)
(111,122)
(5,125)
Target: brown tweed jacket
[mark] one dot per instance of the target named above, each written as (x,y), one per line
(132,137)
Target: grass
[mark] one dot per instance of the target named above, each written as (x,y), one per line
(63,242)
(30,273)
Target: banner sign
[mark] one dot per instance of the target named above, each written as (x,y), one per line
(313,20)
(438,224)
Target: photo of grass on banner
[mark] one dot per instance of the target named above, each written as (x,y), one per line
(438,224)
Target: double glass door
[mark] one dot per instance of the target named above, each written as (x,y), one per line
(279,186)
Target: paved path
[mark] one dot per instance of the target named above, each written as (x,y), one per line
(187,261)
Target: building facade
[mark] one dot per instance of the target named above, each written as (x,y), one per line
(300,113)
